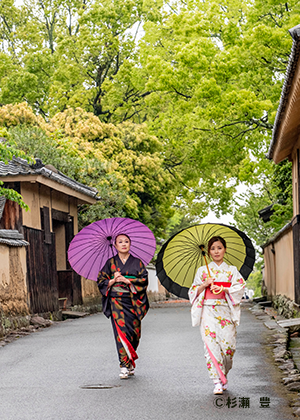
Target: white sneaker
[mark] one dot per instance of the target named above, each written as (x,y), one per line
(131,370)
(218,390)
(124,373)
(225,386)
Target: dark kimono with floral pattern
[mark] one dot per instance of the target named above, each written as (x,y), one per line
(126,305)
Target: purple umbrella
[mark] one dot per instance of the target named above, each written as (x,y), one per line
(93,245)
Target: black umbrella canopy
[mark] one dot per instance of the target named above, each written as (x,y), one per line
(181,255)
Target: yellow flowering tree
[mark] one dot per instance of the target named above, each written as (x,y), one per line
(124,162)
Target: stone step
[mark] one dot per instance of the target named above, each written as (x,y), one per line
(289,322)
(273,325)
(259,299)
(271,312)
(74,314)
(294,348)
(266,303)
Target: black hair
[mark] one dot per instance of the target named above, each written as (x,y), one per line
(215,239)
(122,234)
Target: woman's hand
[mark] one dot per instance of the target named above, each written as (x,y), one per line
(204,285)
(125,280)
(215,288)
(209,281)
(119,278)
(219,288)
(117,274)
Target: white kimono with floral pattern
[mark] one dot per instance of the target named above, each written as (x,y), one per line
(218,318)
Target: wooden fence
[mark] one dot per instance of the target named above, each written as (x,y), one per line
(42,281)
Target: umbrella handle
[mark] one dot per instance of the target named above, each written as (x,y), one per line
(206,263)
(216,293)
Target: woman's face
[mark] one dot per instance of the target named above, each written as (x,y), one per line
(122,244)
(217,252)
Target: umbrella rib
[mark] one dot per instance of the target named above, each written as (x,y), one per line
(114,227)
(142,250)
(119,228)
(86,275)
(81,266)
(208,234)
(185,254)
(167,264)
(200,236)
(80,243)
(191,257)
(95,251)
(97,247)
(196,266)
(236,258)
(187,271)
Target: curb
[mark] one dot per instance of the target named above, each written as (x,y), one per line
(171,302)
(282,356)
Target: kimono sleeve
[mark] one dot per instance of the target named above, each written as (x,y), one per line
(197,301)
(236,289)
(138,288)
(103,278)
(198,280)
(140,281)
(235,294)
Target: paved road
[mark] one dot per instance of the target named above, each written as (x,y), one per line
(41,375)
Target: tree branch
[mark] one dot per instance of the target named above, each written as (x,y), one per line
(182,94)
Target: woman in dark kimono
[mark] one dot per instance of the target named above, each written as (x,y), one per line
(123,282)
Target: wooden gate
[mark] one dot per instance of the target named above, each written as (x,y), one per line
(69,286)
(41,271)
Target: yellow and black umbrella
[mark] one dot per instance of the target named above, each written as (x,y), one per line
(181,256)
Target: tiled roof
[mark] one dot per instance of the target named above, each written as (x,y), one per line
(12,238)
(18,166)
(288,80)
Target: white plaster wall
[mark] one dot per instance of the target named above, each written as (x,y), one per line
(153,281)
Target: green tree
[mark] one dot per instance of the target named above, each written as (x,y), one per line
(206,78)
(255,279)
(275,190)
(215,72)
(55,54)
(7,151)
(123,162)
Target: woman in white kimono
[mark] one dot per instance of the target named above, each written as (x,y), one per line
(217,314)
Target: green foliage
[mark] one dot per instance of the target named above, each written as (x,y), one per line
(254,282)
(57,54)
(205,79)
(12,195)
(215,73)
(7,151)
(122,162)
(180,220)
(275,189)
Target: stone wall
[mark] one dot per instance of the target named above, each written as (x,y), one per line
(13,289)
(90,292)
(286,307)
(11,323)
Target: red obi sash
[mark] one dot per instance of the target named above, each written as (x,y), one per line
(210,295)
